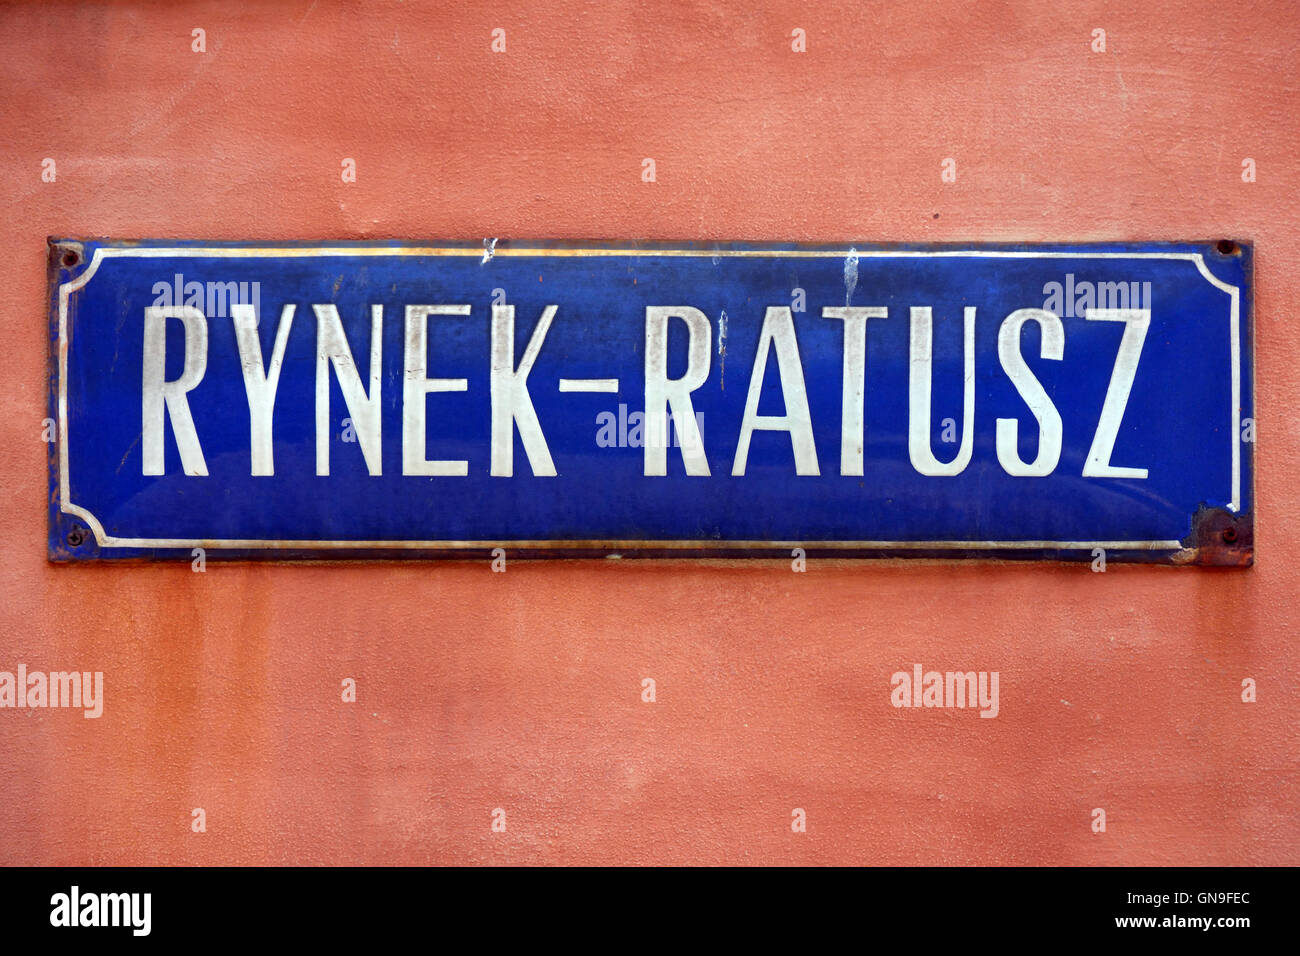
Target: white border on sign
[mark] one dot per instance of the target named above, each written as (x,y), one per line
(218,252)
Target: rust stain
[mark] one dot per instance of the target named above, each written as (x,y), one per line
(1219,538)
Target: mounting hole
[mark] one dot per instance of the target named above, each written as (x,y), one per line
(1226,247)
(1229,535)
(71,259)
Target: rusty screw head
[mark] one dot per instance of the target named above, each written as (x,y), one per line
(70,259)
(1229,535)
(76,536)
(1226,247)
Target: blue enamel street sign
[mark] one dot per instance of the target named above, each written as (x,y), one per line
(398,399)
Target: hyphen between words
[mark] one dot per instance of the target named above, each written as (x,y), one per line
(665,398)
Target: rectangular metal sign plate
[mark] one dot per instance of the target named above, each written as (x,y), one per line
(399,399)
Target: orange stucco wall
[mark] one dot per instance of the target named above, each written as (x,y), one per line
(522,690)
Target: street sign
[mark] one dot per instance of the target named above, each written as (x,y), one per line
(396,399)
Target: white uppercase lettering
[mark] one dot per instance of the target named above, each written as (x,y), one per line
(778,331)
(161,398)
(511,403)
(1031,390)
(664,396)
(1135,322)
(669,419)
(852,430)
(364,409)
(260,383)
(920,373)
(416,388)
